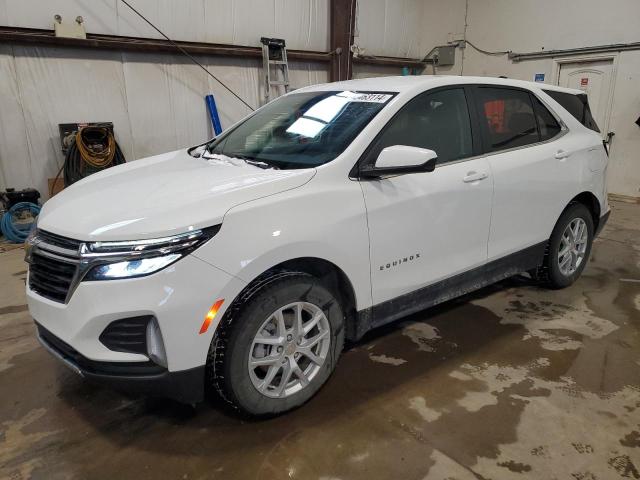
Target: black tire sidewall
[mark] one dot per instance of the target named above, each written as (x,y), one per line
(556,278)
(252,315)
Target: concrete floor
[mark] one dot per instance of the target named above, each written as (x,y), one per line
(511,382)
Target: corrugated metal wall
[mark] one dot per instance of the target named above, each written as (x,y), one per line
(156,102)
(304,23)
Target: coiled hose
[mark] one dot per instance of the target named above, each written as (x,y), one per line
(14,231)
(93,149)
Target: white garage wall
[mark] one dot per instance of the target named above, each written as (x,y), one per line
(624,170)
(389,27)
(406,28)
(303,23)
(522,25)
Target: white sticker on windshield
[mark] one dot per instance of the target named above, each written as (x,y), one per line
(366,97)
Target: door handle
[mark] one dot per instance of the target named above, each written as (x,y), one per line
(561,154)
(474,177)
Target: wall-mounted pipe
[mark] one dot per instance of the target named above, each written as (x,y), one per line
(617,47)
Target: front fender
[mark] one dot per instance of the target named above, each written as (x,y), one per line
(310,221)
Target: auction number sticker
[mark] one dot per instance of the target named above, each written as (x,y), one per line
(366,97)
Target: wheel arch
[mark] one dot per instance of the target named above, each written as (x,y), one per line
(332,276)
(589,200)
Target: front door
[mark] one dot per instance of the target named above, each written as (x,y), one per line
(425,227)
(594,78)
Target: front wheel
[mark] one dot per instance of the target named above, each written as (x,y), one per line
(569,247)
(278,345)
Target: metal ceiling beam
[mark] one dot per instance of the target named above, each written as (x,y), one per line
(34,36)
(393,61)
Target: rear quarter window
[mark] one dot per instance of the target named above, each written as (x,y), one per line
(547,124)
(577,106)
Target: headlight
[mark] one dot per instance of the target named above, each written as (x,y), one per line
(131,268)
(129,259)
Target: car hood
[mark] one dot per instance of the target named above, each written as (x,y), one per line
(162,195)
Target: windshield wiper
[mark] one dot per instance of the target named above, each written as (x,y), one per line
(251,160)
(260,163)
(245,158)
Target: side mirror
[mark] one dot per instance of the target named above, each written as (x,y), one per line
(401,159)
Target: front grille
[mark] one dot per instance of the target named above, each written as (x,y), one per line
(52,266)
(58,241)
(71,355)
(127,335)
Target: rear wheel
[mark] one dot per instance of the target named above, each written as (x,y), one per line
(569,247)
(277,345)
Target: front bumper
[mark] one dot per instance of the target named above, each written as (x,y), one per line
(178,297)
(186,386)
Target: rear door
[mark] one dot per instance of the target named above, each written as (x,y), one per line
(530,161)
(425,227)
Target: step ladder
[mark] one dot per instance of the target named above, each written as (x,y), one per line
(274,60)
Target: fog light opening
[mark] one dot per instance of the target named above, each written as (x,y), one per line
(155,345)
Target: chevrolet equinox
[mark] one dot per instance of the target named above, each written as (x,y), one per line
(241,266)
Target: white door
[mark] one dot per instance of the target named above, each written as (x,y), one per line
(425,227)
(532,166)
(594,78)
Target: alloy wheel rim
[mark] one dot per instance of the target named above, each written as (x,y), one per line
(289,349)
(573,246)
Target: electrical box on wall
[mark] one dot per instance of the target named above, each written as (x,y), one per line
(69,30)
(446,56)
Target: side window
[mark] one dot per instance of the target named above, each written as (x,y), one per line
(438,121)
(507,118)
(547,123)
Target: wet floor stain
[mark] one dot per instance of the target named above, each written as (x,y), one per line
(512,382)
(632,439)
(387,360)
(419,404)
(13,309)
(623,465)
(515,466)
(18,441)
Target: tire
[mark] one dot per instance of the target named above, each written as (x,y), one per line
(551,273)
(254,312)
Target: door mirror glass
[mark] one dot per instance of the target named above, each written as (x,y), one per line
(401,159)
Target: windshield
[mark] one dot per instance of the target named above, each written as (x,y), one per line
(301,130)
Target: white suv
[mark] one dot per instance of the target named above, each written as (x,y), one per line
(242,265)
